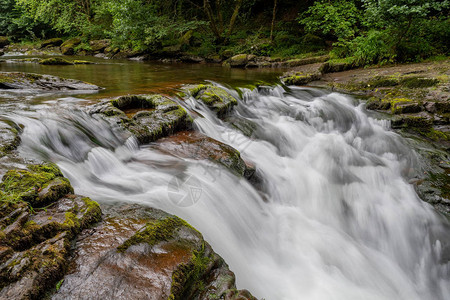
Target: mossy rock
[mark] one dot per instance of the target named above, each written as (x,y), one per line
(215,98)
(418,82)
(9,136)
(4,41)
(83,62)
(382,81)
(299,78)
(68,47)
(34,242)
(239,61)
(152,117)
(38,185)
(55,61)
(153,253)
(51,43)
(99,45)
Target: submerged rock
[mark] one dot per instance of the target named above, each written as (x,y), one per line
(145,253)
(9,136)
(19,80)
(55,61)
(148,117)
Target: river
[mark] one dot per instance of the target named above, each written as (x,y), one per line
(333,215)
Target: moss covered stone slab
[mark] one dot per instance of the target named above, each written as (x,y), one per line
(148,117)
(34,242)
(55,61)
(215,98)
(145,253)
(19,80)
(9,136)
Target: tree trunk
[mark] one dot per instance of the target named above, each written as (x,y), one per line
(212,21)
(273,19)
(234,17)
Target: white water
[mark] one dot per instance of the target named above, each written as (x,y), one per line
(335,217)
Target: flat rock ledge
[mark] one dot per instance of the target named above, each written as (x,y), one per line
(58,245)
(20,81)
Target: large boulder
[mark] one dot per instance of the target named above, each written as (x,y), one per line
(68,47)
(148,117)
(145,253)
(51,43)
(216,98)
(98,46)
(19,80)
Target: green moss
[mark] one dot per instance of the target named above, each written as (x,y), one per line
(55,61)
(188,279)
(154,233)
(82,62)
(133,101)
(382,81)
(196,90)
(418,82)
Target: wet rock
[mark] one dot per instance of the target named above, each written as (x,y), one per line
(300,78)
(217,99)
(192,59)
(55,61)
(99,45)
(302,61)
(239,61)
(4,41)
(19,80)
(68,47)
(51,43)
(9,136)
(145,253)
(195,145)
(148,117)
(35,243)
(337,66)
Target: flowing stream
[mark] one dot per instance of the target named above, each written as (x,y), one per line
(332,216)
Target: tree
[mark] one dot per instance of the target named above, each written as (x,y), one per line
(216,20)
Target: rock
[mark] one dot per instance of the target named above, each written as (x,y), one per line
(4,41)
(192,59)
(238,61)
(83,62)
(195,145)
(9,136)
(148,117)
(226,54)
(145,253)
(406,107)
(169,51)
(99,45)
(55,61)
(68,47)
(34,243)
(51,43)
(337,66)
(299,78)
(303,61)
(217,99)
(214,58)
(18,80)
(2,53)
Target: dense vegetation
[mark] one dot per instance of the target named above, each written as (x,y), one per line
(363,31)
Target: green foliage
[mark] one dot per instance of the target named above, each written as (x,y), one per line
(338,18)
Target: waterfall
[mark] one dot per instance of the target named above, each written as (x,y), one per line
(332,217)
